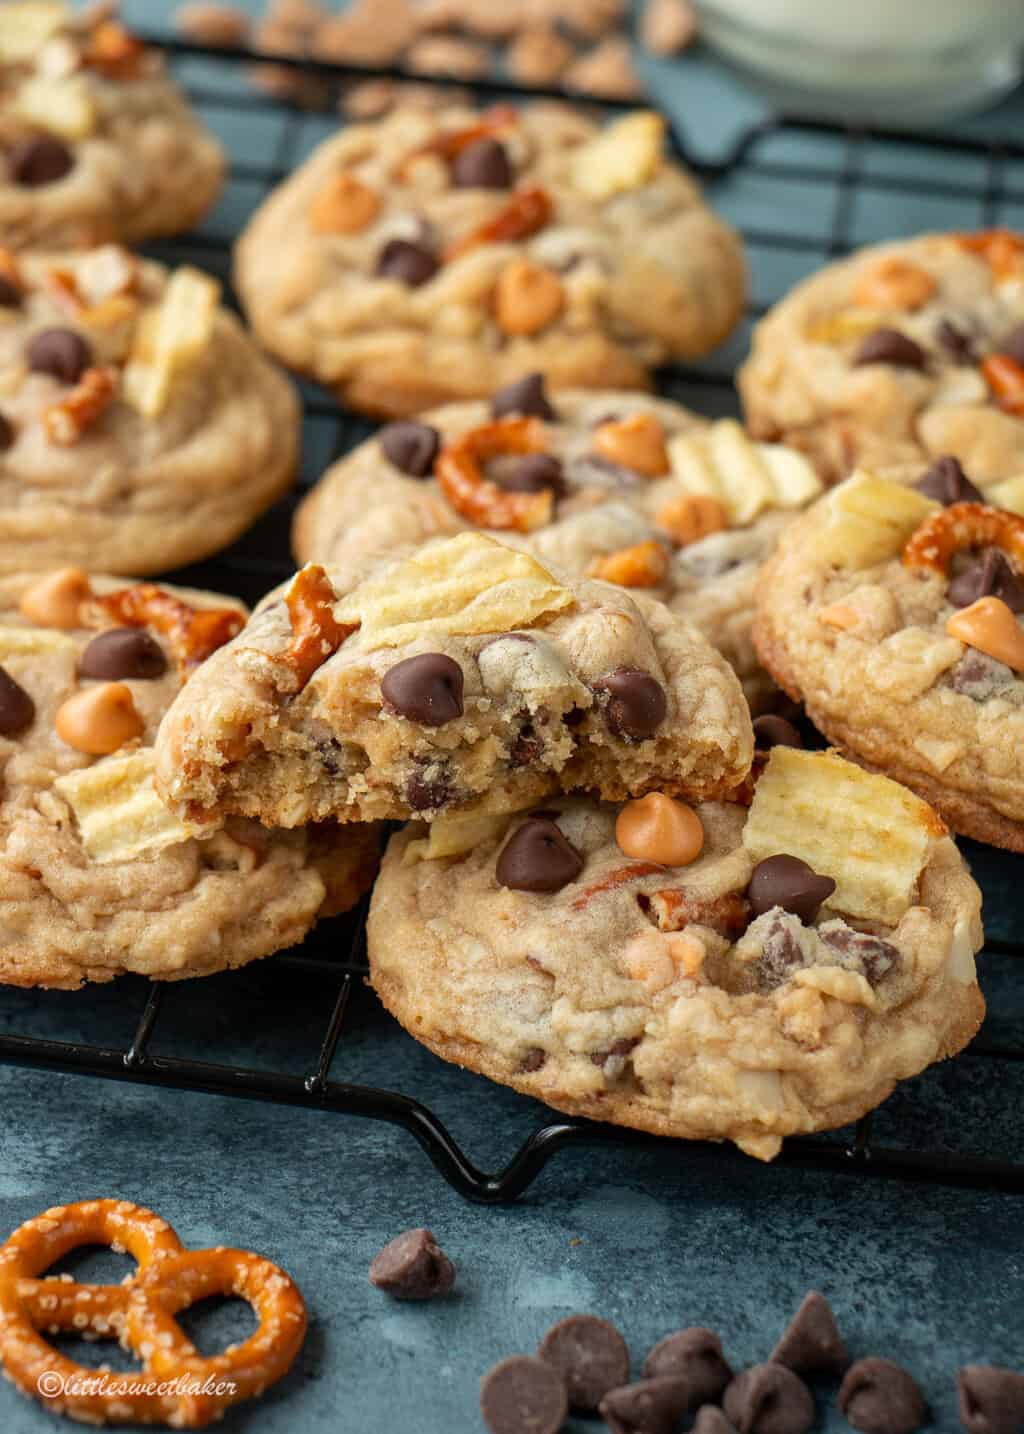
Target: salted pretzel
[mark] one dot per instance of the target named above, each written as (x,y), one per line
(193,632)
(461,477)
(140,1313)
(527,211)
(499,119)
(961,526)
(316,633)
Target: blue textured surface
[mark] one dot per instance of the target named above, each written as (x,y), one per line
(929,1276)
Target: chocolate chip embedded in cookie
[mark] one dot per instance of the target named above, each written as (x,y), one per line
(465,678)
(483,247)
(657,996)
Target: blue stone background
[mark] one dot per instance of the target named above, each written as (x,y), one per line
(653,1238)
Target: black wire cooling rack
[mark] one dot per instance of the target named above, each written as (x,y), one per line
(772,163)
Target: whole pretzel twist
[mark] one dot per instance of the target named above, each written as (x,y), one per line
(951,530)
(459,470)
(140,1313)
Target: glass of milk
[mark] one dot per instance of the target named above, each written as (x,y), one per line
(881,61)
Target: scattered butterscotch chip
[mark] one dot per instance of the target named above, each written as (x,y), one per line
(344,205)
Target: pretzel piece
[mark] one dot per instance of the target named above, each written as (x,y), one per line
(1002,250)
(193,632)
(461,477)
(1005,377)
(316,633)
(141,1313)
(961,526)
(73,415)
(450,143)
(527,211)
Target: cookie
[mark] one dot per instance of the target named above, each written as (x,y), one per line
(97,878)
(95,142)
(779,974)
(466,677)
(140,428)
(643,493)
(903,352)
(436,256)
(894,619)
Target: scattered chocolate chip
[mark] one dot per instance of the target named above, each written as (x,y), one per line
(123,652)
(527,473)
(694,1355)
(892,347)
(991,1399)
(526,396)
(990,575)
(17,710)
(788,882)
(410,263)
(10,294)
(6,433)
(1013,344)
(711,1420)
(636,704)
(812,1343)
(590,1355)
(538,857)
(429,789)
(769,1399)
(874,956)
(652,1406)
(771,731)
(523,1395)
(959,345)
(532,1061)
(947,483)
(412,1266)
(412,447)
(425,689)
(59,352)
(483,165)
(879,1397)
(39,161)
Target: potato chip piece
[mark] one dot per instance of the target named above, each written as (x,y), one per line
(747,478)
(846,324)
(623,156)
(119,815)
(868,833)
(63,107)
(466,584)
(1008,494)
(169,339)
(25,27)
(33,642)
(869,519)
(455,835)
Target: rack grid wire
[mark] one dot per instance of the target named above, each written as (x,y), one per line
(801,192)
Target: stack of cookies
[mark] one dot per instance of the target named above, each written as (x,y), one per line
(542,618)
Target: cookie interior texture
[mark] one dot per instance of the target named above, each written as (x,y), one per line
(92,472)
(137,162)
(540,708)
(626,266)
(650,996)
(97,878)
(955,298)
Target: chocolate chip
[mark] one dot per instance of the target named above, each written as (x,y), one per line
(990,575)
(10,294)
(412,1266)
(17,710)
(694,1355)
(1013,344)
(892,347)
(812,1343)
(6,433)
(874,956)
(781,953)
(771,731)
(523,1395)
(879,1397)
(410,263)
(538,857)
(769,1399)
(532,1061)
(426,689)
(527,473)
(429,789)
(636,704)
(991,1399)
(957,344)
(711,1420)
(947,483)
(652,1406)
(59,352)
(590,1355)
(612,1060)
(39,161)
(788,882)
(980,677)
(483,165)
(412,447)
(123,652)
(526,396)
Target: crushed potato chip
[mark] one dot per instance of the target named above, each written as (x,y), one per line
(119,815)
(869,519)
(868,833)
(454,836)
(63,107)
(747,478)
(623,156)
(26,26)
(1008,494)
(847,324)
(170,338)
(33,642)
(465,584)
